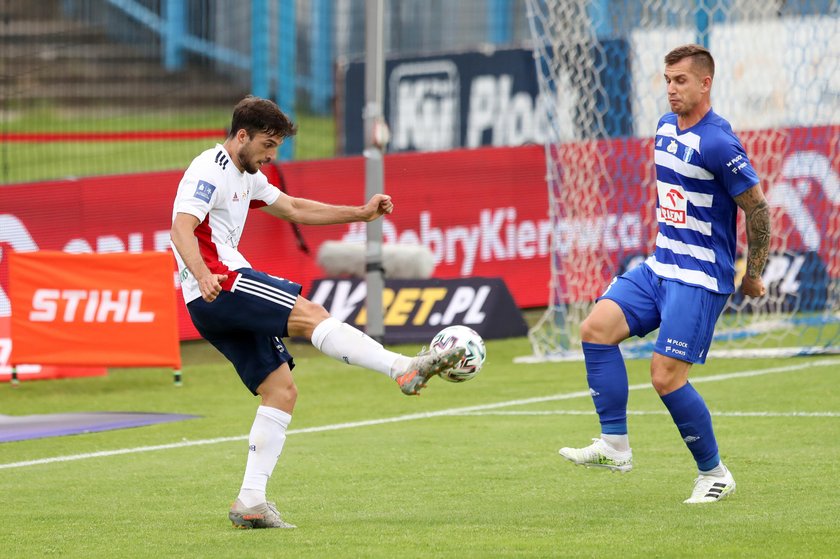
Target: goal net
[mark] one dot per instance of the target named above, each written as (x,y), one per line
(777,80)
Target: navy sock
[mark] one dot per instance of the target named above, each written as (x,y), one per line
(607,378)
(692,417)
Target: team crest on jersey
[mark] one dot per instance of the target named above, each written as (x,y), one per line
(672,147)
(204,191)
(687,154)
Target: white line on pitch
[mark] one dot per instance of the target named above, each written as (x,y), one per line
(413,416)
(665,412)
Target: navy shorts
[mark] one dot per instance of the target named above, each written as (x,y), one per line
(247,323)
(685,314)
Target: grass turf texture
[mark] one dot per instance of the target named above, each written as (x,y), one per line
(452,486)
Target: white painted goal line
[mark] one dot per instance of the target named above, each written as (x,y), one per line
(414,416)
(661,412)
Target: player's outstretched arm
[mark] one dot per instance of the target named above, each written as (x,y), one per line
(310,212)
(757,213)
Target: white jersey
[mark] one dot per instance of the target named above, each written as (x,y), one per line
(219,195)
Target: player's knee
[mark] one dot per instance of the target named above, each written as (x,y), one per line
(290,394)
(305,316)
(282,397)
(665,380)
(309,311)
(605,325)
(593,331)
(660,381)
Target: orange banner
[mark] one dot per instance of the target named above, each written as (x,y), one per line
(93,309)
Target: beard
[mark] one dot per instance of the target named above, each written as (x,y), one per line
(248,164)
(250,167)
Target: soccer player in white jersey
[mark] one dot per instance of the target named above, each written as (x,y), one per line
(703,176)
(245,313)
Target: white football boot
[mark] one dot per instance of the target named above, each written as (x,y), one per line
(599,455)
(711,489)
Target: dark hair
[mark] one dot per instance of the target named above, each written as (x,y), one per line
(255,115)
(700,57)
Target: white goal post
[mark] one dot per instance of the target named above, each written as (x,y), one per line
(599,65)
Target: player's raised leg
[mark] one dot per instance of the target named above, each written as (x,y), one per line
(606,375)
(350,345)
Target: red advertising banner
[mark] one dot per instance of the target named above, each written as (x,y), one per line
(32,371)
(482,212)
(93,309)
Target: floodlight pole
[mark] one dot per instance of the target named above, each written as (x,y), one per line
(376,138)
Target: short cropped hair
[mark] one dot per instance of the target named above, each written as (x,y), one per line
(256,115)
(701,58)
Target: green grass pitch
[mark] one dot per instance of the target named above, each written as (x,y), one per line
(367,472)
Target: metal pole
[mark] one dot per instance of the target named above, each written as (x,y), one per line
(259,48)
(375,140)
(175,27)
(286,73)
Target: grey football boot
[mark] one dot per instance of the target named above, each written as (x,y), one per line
(264,515)
(426,365)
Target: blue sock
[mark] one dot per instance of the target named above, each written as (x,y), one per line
(694,421)
(607,378)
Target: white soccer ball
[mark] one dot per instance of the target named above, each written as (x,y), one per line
(461,336)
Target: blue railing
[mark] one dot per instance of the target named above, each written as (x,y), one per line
(271,74)
(176,40)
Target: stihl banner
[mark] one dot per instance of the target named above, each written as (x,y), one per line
(93,309)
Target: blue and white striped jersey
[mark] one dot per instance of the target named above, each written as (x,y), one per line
(699,171)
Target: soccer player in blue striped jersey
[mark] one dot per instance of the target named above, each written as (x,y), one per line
(703,175)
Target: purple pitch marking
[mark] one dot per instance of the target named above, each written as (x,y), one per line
(21,428)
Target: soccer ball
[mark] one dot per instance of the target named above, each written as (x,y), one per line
(461,336)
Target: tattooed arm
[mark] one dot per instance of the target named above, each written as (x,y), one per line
(757,213)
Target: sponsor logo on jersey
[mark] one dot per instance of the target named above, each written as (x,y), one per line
(672,205)
(672,147)
(235,197)
(204,191)
(737,163)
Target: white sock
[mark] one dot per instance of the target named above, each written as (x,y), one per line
(268,433)
(620,443)
(717,471)
(341,341)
